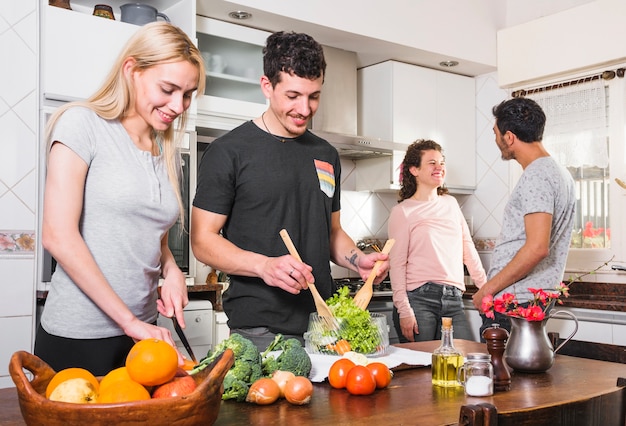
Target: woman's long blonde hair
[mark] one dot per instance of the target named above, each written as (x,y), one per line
(153,44)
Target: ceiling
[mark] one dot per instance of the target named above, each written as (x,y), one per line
(369,50)
(468,30)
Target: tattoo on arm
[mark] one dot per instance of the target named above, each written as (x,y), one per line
(353,259)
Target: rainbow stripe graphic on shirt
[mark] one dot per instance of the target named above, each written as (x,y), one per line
(326,176)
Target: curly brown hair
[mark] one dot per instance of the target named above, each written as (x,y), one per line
(294,53)
(413,157)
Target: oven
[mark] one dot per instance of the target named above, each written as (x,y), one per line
(381,302)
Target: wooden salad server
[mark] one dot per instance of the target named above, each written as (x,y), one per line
(364,295)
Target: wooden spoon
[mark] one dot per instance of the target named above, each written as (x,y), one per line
(364,295)
(323,311)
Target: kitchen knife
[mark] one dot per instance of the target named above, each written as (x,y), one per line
(183,338)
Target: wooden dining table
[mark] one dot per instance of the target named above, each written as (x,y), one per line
(574,391)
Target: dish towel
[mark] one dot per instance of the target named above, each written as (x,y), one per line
(393,358)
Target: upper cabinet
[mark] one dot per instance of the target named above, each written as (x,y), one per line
(78,49)
(402,103)
(233,57)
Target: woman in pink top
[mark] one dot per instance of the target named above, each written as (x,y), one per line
(433,242)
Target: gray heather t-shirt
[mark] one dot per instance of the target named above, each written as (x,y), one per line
(544,187)
(128,206)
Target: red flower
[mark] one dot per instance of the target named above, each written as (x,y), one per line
(487,306)
(536,311)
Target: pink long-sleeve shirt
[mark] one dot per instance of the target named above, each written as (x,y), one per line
(433,242)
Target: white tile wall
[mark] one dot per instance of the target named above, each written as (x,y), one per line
(18,176)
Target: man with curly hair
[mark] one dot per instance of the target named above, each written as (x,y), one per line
(268,174)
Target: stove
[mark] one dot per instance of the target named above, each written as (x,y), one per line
(381,290)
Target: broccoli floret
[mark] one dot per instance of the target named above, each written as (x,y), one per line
(296,360)
(246,368)
(234,388)
(270,364)
(292,358)
(243,349)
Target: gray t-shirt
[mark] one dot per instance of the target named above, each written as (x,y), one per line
(128,206)
(544,187)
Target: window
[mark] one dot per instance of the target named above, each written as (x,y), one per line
(585,133)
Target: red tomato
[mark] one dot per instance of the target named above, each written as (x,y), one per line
(338,372)
(382,374)
(360,381)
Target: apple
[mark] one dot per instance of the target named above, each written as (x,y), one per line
(182,384)
(77,390)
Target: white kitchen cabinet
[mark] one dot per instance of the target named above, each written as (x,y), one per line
(222,332)
(78,49)
(619,334)
(234,61)
(402,103)
(593,326)
(475,320)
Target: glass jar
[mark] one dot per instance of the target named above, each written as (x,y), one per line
(476,375)
(104,11)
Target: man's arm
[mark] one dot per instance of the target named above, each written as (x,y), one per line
(216,251)
(344,253)
(537,247)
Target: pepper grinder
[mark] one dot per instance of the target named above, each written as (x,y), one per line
(496,338)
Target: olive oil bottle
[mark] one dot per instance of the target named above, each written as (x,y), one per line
(446,358)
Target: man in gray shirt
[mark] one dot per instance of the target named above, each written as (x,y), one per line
(538,219)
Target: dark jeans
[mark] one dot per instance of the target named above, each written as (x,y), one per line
(430,303)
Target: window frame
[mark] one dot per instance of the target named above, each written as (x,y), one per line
(581,260)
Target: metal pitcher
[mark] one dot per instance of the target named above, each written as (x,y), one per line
(529,349)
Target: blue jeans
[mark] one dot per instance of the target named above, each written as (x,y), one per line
(430,302)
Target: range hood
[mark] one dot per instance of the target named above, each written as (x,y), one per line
(357,147)
(336,116)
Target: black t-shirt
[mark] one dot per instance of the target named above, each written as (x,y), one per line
(263,186)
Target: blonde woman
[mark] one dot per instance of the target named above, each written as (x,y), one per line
(111,196)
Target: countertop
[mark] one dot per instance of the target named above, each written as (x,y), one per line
(586,295)
(575,391)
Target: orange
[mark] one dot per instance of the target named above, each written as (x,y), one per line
(123,390)
(113,376)
(71,373)
(152,362)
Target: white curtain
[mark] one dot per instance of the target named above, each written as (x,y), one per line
(576,123)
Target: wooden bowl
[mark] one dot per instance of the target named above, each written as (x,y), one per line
(200,407)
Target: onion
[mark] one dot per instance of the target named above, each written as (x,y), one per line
(281,378)
(298,390)
(263,392)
